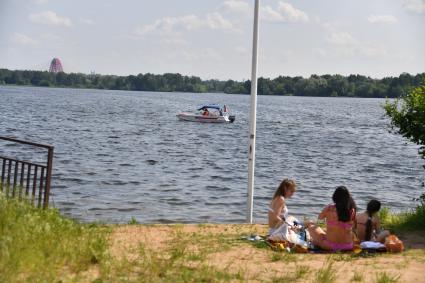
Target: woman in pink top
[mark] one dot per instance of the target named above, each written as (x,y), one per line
(340,218)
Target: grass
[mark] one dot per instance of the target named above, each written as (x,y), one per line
(283,256)
(42,246)
(38,244)
(413,220)
(357,277)
(298,276)
(133,221)
(384,277)
(182,259)
(326,274)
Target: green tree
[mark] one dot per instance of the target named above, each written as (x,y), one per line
(408,116)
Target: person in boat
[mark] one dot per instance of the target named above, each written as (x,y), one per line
(340,219)
(368,224)
(206,112)
(278,217)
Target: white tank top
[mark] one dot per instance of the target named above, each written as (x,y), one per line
(285,212)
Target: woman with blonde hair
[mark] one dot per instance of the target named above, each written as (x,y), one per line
(278,212)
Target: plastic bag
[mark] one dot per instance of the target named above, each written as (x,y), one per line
(394,244)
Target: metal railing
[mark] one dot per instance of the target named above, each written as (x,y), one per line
(25,179)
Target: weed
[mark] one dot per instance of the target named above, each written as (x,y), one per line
(327,273)
(301,271)
(383,277)
(133,221)
(357,277)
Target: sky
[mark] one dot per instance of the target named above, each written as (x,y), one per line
(212,39)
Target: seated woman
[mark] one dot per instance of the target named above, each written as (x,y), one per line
(278,212)
(340,218)
(368,224)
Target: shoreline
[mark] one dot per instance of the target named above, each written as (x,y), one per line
(196,92)
(177,253)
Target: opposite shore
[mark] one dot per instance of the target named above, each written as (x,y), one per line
(316,85)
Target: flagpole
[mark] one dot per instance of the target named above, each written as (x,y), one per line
(253,114)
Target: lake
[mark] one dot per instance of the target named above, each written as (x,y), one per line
(121,155)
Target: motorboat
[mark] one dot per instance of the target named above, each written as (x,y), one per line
(211,113)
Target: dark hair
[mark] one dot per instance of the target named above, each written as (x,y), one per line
(372,207)
(344,203)
(284,186)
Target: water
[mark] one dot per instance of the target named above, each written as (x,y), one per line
(122,154)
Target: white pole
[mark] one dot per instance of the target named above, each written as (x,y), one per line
(253,115)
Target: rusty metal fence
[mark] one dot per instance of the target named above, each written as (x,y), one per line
(24,179)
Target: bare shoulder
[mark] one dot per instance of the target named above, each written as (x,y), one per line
(325,211)
(361,217)
(276,202)
(279,201)
(375,219)
(329,208)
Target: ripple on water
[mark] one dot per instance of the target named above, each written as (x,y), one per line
(144,153)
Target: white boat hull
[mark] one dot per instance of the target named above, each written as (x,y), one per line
(185,116)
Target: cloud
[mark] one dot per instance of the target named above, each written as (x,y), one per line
(216,21)
(341,38)
(320,52)
(87,21)
(241,50)
(213,21)
(235,6)
(50,18)
(382,19)
(285,12)
(414,6)
(40,1)
(23,39)
(344,43)
(201,55)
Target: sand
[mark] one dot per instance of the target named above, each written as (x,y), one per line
(220,246)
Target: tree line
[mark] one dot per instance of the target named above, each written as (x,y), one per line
(315,85)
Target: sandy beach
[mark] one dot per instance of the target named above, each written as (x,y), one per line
(219,248)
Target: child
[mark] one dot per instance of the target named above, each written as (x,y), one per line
(368,225)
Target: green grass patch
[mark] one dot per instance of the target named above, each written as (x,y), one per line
(413,220)
(298,276)
(183,259)
(327,273)
(386,278)
(39,245)
(357,277)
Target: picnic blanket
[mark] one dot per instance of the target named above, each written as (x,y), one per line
(286,246)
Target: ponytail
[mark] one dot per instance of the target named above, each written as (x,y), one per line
(368,233)
(372,207)
(344,204)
